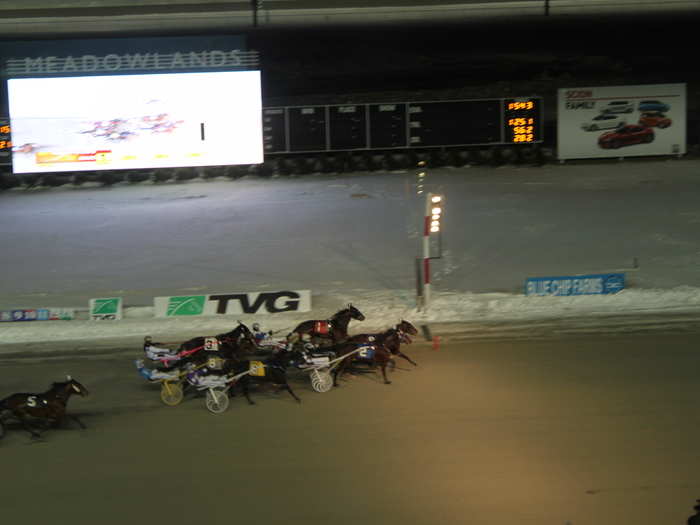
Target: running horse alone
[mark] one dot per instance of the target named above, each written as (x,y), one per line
(47,408)
(392,339)
(327,331)
(377,349)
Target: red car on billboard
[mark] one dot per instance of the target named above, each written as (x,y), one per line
(626,136)
(654,119)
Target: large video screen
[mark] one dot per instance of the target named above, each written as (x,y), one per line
(113,122)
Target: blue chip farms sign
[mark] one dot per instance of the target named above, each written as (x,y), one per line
(606,283)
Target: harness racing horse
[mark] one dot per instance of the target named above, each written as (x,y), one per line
(271,370)
(329,331)
(49,407)
(232,345)
(403,332)
(380,349)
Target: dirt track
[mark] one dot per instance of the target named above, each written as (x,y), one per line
(597,431)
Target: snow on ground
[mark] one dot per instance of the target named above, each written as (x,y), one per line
(354,238)
(382,310)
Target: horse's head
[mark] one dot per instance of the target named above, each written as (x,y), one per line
(355,313)
(238,334)
(407,328)
(74,387)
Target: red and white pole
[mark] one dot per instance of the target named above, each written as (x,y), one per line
(426,250)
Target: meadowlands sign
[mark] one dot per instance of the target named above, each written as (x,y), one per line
(233,303)
(126,55)
(111,63)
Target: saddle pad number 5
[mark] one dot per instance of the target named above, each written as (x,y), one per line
(211,344)
(257,369)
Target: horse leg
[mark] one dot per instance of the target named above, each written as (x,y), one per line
(383,367)
(75,418)
(244,387)
(407,358)
(340,370)
(25,424)
(289,389)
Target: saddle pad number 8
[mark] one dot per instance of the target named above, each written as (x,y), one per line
(211,344)
(257,369)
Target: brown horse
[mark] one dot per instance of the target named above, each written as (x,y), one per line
(375,349)
(271,370)
(47,408)
(404,330)
(235,344)
(328,331)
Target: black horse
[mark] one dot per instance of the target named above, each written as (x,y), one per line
(327,331)
(47,408)
(392,339)
(375,349)
(235,345)
(271,370)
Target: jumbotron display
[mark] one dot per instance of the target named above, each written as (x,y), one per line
(88,123)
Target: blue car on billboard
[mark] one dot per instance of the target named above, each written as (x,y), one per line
(653,105)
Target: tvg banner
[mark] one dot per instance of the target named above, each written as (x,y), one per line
(233,303)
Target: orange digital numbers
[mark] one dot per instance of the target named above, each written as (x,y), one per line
(5,129)
(521,105)
(5,144)
(520,126)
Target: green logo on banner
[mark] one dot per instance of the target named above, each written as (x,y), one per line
(105,306)
(186,305)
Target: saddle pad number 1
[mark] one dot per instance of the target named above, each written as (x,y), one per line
(211,344)
(257,369)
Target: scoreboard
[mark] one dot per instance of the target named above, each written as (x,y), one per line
(386,126)
(401,125)
(5,141)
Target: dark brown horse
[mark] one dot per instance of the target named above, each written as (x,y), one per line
(324,332)
(271,370)
(375,349)
(403,331)
(231,345)
(47,408)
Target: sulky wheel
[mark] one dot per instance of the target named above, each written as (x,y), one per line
(321,381)
(171,393)
(217,401)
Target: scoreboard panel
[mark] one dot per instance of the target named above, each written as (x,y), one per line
(388,126)
(522,123)
(274,130)
(347,127)
(401,125)
(307,128)
(5,141)
(455,123)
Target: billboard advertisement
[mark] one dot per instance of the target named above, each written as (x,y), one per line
(108,122)
(233,303)
(621,121)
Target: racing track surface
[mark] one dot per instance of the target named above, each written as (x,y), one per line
(591,430)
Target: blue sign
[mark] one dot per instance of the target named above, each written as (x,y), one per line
(606,283)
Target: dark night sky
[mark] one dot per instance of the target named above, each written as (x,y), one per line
(640,49)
